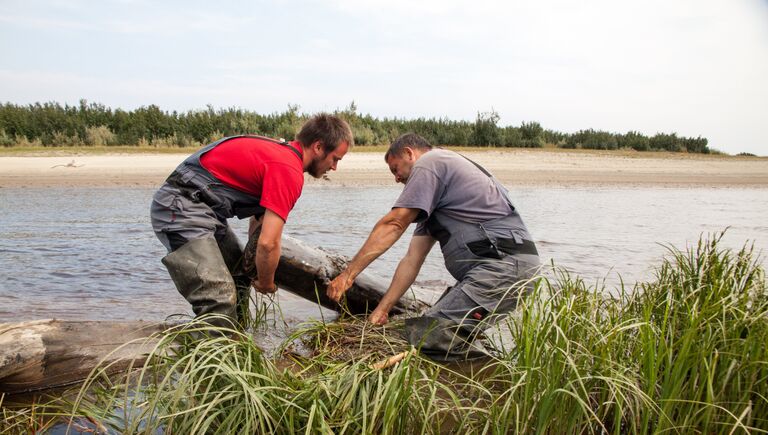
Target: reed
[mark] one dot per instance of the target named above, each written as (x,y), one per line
(684,353)
(24,419)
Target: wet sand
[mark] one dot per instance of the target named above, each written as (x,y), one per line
(526,167)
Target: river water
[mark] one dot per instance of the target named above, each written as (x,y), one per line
(89,253)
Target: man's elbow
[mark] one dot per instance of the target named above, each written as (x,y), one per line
(398,221)
(394,223)
(268,246)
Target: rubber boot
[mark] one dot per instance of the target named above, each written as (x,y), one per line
(233,257)
(202,277)
(443,340)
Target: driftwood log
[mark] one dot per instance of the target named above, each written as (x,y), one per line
(306,271)
(46,354)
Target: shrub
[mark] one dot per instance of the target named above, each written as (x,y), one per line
(6,140)
(485,131)
(99,136)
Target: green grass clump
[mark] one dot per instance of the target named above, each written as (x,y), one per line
(201,383)
(23,420)
(685,353)
(703,357)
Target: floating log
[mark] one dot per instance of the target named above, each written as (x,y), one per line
(306,271)
(46,354)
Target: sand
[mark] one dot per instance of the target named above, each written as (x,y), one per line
(519,167)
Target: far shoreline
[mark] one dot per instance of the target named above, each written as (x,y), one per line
(364,166)
(64,151)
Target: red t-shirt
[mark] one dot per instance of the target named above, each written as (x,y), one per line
(261,168)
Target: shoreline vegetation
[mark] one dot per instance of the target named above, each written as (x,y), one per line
(27,150)
(682,353)
(90,145)
(92,124)
(364,166)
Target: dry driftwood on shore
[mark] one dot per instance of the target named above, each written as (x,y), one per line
(45,354)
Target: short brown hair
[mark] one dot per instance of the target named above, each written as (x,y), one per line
(410,140)
(330,130)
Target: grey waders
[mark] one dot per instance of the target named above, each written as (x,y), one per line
(186,213)
(201,275)
(492,259)
(444,340)
(233,257)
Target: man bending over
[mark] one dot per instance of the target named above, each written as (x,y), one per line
(243,176)
(485,244)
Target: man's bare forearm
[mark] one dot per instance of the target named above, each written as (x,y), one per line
(385,233)
(267,259)
(405,275)
(268,251)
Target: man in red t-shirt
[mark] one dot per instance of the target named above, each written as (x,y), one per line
(243,176)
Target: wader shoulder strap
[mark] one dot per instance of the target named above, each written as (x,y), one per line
(269,139)
(502,189)
(482,169)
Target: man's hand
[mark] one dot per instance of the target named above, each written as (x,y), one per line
(378,317)
(339,286)
(385,233)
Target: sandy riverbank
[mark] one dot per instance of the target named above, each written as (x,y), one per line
(537,167)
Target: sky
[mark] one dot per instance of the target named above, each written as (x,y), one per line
(692,67)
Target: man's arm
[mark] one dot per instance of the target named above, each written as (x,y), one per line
(385,233)
(268,252)
(405,274)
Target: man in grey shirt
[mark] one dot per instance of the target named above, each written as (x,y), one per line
(485,244)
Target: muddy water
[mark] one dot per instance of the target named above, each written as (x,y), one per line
(85,253)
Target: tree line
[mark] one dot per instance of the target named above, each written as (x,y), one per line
(92,124)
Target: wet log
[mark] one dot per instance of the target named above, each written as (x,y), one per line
(306,271)
(46,354)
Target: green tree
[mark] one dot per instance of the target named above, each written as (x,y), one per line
(633,140)
(532,135)
(666,142)
(486,132)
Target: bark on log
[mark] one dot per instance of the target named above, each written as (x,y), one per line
(50,353)
(306,271)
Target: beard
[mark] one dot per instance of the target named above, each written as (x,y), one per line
(314,168)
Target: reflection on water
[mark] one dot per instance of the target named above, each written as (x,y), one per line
(85,253)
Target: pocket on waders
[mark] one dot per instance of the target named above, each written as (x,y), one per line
(166,206)
(483,242)
(483,248)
